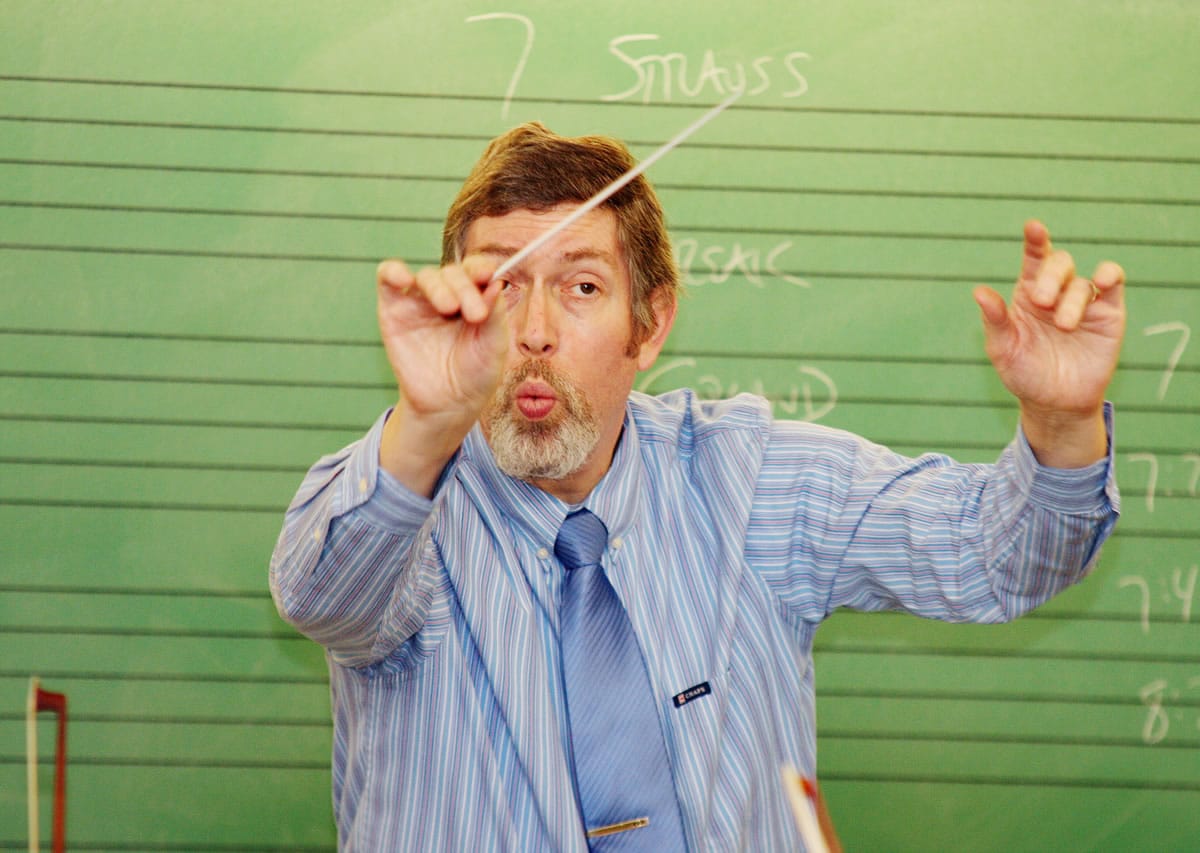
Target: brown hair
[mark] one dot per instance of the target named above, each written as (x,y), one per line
(534,168)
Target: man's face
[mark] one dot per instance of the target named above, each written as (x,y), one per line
(557,415)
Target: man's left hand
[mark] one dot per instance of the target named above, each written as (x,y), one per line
(1055,348)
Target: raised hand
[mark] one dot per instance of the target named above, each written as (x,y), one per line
(1055,347)
(446,337)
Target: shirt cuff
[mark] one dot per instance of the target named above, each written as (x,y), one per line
(374,496)
(1078,491)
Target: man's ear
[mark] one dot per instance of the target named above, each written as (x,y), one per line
(664,306)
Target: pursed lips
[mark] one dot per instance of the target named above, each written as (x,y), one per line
(535,399)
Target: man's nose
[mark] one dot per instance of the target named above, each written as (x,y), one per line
(536,331)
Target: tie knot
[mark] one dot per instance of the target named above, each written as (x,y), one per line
(581,540)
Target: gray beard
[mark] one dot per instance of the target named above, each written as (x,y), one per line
(539,450)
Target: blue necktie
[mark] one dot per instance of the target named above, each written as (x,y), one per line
(621,770)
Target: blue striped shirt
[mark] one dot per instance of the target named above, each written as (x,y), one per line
(732,536)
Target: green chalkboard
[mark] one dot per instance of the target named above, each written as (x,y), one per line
(193,197)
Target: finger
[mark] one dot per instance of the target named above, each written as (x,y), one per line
(438,292)
(480,268)
(394,274)
(1057,271)
(466,291)
(997,327)
(1108,277)
(1037,249)
(1076,298)
(491,295)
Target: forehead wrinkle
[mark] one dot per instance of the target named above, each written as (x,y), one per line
(570,256)
(496,249)
(589,254)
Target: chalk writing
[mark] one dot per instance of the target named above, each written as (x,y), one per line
(1157,722)
(1181,588)
(1191,479)
(1192,459)
(1140,583)
(669,73)
(1151,477)
(714,264)
(812,396)
(1156,695)
(529,34)
(1185,591)
(1185,334)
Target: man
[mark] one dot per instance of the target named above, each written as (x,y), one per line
(436,558)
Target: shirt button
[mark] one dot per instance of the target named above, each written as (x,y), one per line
(363,486)
(316,535)
(617,542)
(543,553)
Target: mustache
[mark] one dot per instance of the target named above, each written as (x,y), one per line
(531,369)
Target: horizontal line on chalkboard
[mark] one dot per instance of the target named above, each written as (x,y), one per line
(1011,781)
(373,343)
(225,212)
(1074,617)
(921,195)
(1151,533)
(883,277)
(171,677)
(872,694)
(483,138)
(792,232)
(250,764)
(134,591)
(233,381)
(912,235)
(148,506)
(827,734)
(901,445)
(254,214)
(128,631)
(875,277)
(160,465)
(142,846)
(675,227)
(184,763)
(233,467)
(188,720)
(1046,614)
(323,765)
(988,696)
(231,170)
(663,186)
(347,385)
(854,648)
(190,253)
(178,422)
(880,358)
(588,102)
(937,696)
(940,195)
(895,443)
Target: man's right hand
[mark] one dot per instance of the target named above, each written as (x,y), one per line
(446,337)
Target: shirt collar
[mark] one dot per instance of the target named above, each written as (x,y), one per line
(616,499)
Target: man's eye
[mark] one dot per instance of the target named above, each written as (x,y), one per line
(587,288)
